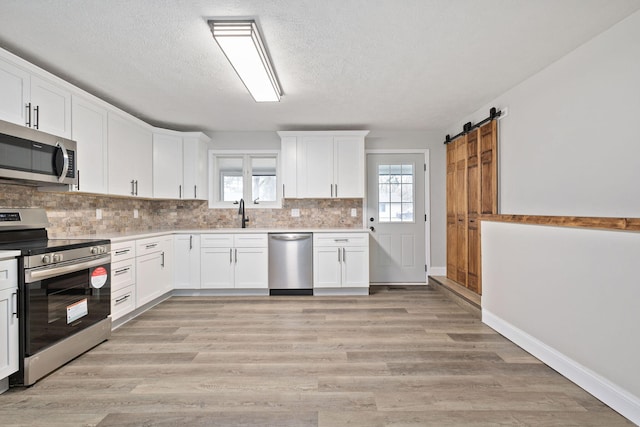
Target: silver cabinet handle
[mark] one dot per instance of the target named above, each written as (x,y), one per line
(151,246)
(162,262)
(344,255)
(133,192)
(195,191)
(331,190)
(339,257)
(191,242)
(122,252)
(336,190)
(121,271)
(122,299)
(36,114)
(14,306)
(236,256)
(136,187)
(179,191)
(283,196)
(28,122)
(230,256)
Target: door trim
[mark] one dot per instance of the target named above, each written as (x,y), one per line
(427,192)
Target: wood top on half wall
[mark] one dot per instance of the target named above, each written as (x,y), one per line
(626,224)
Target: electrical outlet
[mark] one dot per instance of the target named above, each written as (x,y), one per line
(135,213)
(354,212)
(98,213)
(295,213)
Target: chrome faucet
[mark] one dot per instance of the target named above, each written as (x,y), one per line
(245,219)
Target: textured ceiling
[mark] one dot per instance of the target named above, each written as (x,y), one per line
(373,64)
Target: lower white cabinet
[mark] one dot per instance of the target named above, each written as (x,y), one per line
(187,261)
(340,260)
(154,268)
(8,317)
(234,261)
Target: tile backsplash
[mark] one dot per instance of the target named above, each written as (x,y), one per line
(74,214)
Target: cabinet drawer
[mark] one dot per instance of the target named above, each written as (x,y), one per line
(250,240)
(123,274)
(216,240)
(123,302)
(149,246)
(8,274)
(340,239)
(123,250)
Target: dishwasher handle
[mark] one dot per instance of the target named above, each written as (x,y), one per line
(290,237)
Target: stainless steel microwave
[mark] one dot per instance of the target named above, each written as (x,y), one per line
(35,157)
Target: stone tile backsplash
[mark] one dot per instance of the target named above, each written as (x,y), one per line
(74,214)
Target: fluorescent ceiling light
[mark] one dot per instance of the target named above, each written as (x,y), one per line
(243,47)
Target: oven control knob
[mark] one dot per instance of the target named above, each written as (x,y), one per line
(46,259)
(57,257)
(103,250)
(94,251)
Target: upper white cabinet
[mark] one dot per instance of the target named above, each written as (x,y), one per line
(33,101)
(130,157)
(179,164)
(89,130)
(167,165)
(195,147)
(327,164)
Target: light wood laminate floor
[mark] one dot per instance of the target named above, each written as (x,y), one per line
(399,357)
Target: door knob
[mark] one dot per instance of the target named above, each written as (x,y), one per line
(372,228)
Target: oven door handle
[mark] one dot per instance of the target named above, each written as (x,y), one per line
(36,275)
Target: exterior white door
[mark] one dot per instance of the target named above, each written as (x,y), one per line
(396,214)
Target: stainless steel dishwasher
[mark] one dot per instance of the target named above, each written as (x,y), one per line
(291,263)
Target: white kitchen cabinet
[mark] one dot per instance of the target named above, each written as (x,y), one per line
(340,260)
(234,261)
(123,278)
(32,101)
(187,261)
(328,164)
(154,268)
(195,152)
(8,317)
(289,159)
(167,165)
(130,157)
(89,130)
(15,87)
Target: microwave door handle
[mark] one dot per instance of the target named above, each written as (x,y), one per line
(65,164)
(47,273)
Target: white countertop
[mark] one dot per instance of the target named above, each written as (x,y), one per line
(134,235)
(9,254)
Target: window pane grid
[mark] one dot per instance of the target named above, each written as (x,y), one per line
(395,193)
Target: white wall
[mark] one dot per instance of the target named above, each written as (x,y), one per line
(375,140)
(570,297)
(569,144)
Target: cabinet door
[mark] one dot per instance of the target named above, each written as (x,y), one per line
(187,261)
(315,171)
(289,162)
(8,332)
(89,130)
(130,157)
(251,269)
(54,107)
(327,272)
(349,167)
(149,278)
(217,267)
(355,267)
(195,152)
(14,87)
(167,166)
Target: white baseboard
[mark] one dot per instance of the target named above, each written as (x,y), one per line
(437,271)
(620,400)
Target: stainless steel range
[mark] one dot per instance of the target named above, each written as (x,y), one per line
(64,293)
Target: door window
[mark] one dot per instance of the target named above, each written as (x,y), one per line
(396,193)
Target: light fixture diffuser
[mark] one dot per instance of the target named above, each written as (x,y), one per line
(242,45)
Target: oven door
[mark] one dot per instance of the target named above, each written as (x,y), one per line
(62,300)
